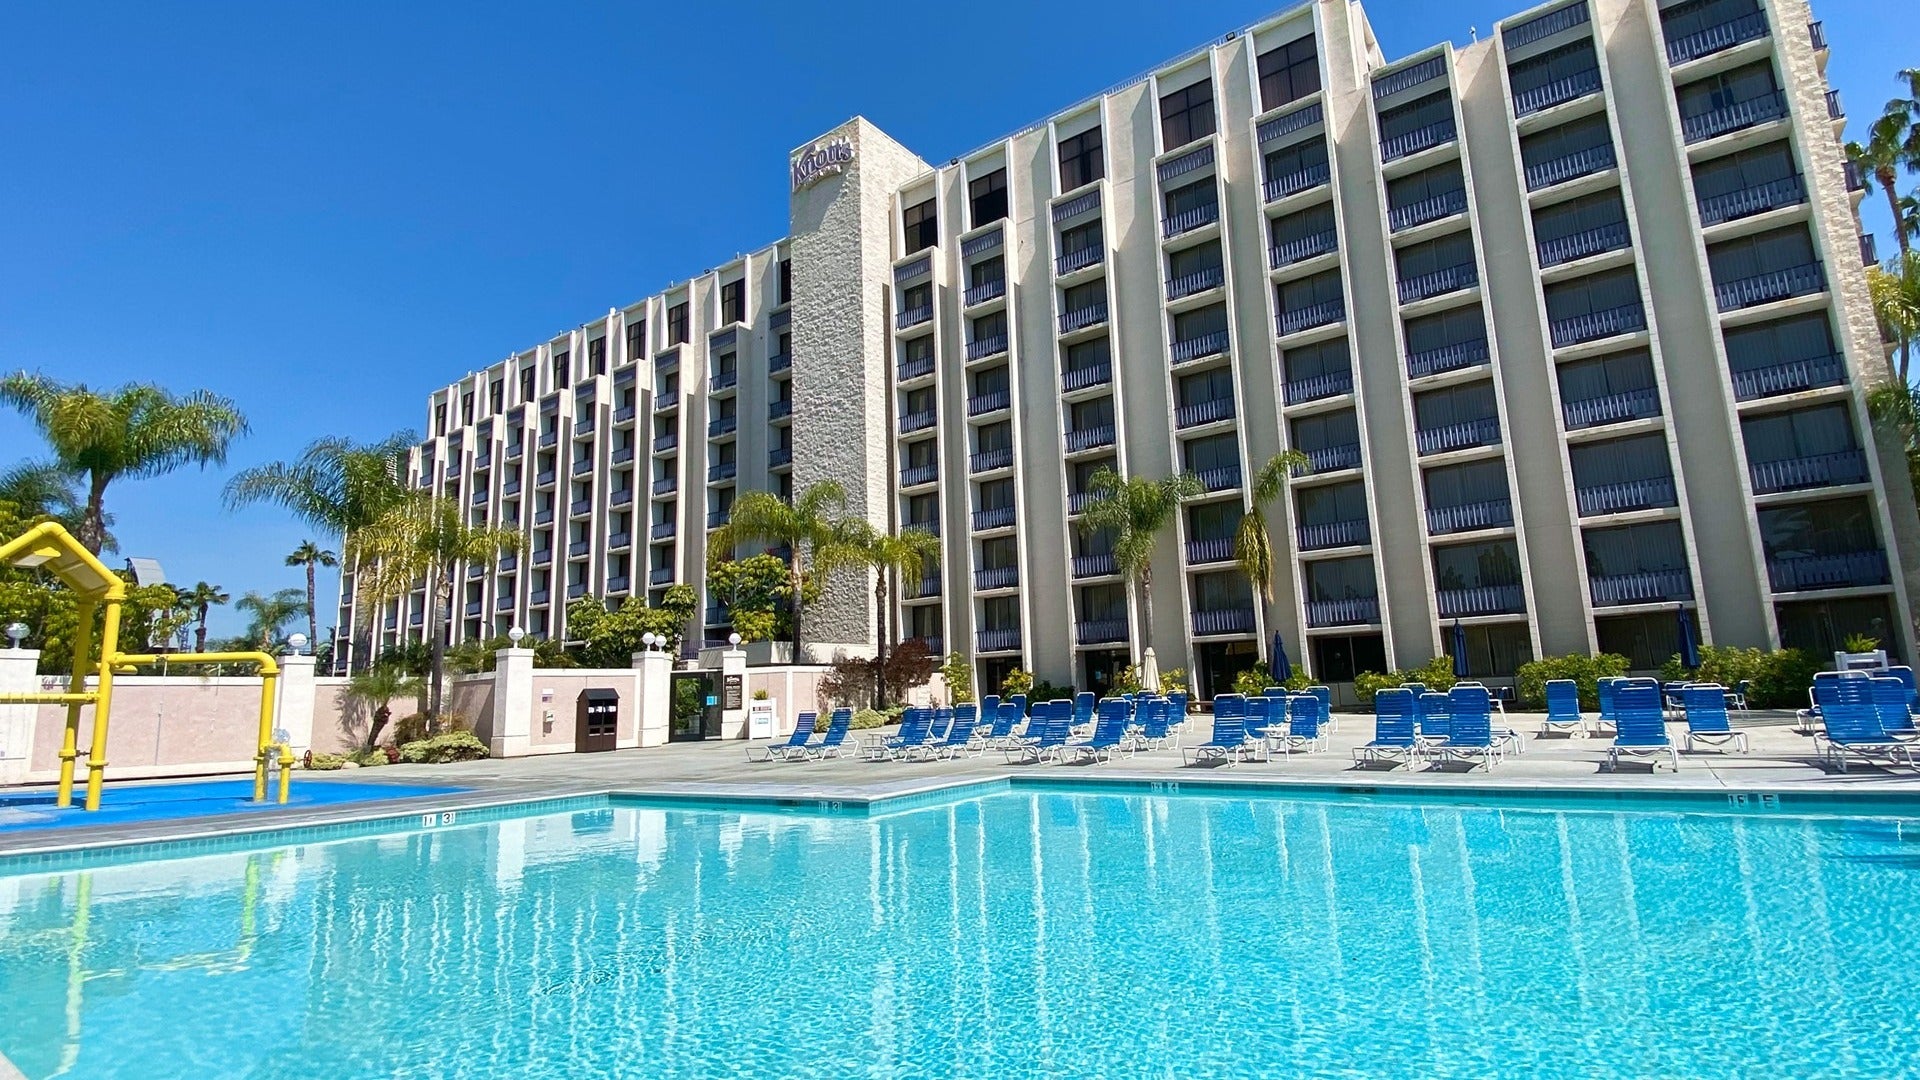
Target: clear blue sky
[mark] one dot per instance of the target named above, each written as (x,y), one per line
(327,210)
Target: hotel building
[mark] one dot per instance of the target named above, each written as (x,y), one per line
(1571,324)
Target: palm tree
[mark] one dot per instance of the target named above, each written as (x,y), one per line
(312,556)
(136,431)
(806,527)
(375,689)
(1252,543)
(270,612)
(42,489)
(422,538)
(894,557)
(201,597)
(1136,511)
(1893,144)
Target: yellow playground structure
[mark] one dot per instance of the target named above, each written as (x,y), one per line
(50,548)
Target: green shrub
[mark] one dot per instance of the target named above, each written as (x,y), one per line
(367,759)
(1530,681)
(1436,674)
(453,746)
(325,762)
(1173,680)
(1042,690)
(1778,679)
(1018,681)
(868,718)
(958,674)
(1258,678)
(1128,680)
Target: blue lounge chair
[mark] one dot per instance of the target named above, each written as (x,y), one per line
(1229,742)
(1083,703)
(1325,694)
(959,737)
(1707,722)
(1831,688)
(1046,733)
(1177,713)
(1264,714)
(1605,689)
(1640,724)
(916,724)
(1469,727)
(1109,731)
(1306,726)
(1890,700)
(1737,697)
(1156,724)
(1904,675)
(989,708)
(1392,728)
(1005,718)
(834,741)
(1430,717)
(1563,708)
(792,746)
(1851,727)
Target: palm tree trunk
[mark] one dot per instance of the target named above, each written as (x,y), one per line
(438,647)
(93,524)
(799,597)
(880,662)
(1146,600)
(200,633)
(1887,184)
(313,616)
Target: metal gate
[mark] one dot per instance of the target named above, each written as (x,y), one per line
(696,706)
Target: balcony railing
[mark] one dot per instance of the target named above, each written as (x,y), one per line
(579,547)
(1817,34)
(1769,287)
(992,401)
(779,408)
(479,497)
(509,561)
(1640,587)
(1297,181)
(1734,205)
(624,414)
(987,241)
(503,603)
(1081,378)
(549,439)
(1433,208)
(723,380)
(718,518)
(1790,377)
(1288,123)
(1627,495)
(511,487)
(1557,92)
(1209,551)
(989,460)
(1584,244)
(1847,570)
(1225,621)
(981,348)
(1199,281)
(666,485)
(1354,611)
(998,577)
(1481,600)
(1454,357)
(722,425)
(663,529)
(1303,248)
(1546,174)
(928,585)
(619,541)
(1855,177)
(999,517)
(1099,631)
(1813,471)
(669,399)
(1438,282)
(1080,204)
(1636,404)
(931,526)
(914,316)
(1869,250)
(985,291)
(1188,220)
(1078,501)
(1081,318)
(1079,260)
(987,641)
(779,457)
(1091,438)
(668,441)
(779,361)
(1331,459)
(918,367)
(660,576)
(622,455)
(1203,412)
(1086,566)
(1468,517)
(1741,114)
(1412,142)
(543,517)
(582,466)
(1205,345)
(1595,325)
(915,475)
(1333,534)
(1219,478)
(1315,387)
(1470,433)
(1717,38)
(580,507)
(543,557)
(918,421)
(1313,315)
(716,616)
(1409,77)
(724,470)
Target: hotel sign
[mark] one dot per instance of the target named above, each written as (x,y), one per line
(821,160)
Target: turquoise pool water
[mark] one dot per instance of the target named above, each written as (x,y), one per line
(1019,934)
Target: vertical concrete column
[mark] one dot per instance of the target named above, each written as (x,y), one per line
(512,702)
(733,666)
(654,695)
(293,712)
(19,674)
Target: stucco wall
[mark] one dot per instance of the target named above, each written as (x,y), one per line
(556,696)
(161,724)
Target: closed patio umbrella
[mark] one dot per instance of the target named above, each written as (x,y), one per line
(1282,667)
(1689,648)
(1459,650)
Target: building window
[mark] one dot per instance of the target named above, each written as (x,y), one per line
(922,226)
(987,197)
(440,418)
(786,281)
(636,340)
(562,369)
(597,356)
(466,407)
(527,388)
(497,396)
(677,329)
(1081,161)
(733,302)
(1288,73)
(1186,115)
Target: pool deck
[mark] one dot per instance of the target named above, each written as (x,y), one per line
(1781,761)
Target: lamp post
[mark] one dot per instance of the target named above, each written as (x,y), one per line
(18,632)
(514,636)
(296,644)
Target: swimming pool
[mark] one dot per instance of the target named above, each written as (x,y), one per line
(1023,933)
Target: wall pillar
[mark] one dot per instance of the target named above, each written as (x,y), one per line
(733,665)
(19,674)
(653,700)
(293,712)
(512,702)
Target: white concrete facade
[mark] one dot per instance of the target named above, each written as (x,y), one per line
(1570,321)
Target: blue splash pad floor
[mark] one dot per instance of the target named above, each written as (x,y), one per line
(127,803)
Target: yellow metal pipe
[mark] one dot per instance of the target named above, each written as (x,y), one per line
(76,683)
(47,699)
(268,681)
(286,772)
(103,707)
(266,662)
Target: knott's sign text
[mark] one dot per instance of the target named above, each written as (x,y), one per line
(820,161)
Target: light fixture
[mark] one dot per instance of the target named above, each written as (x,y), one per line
(18,632)
(514,635)
(647,639)
(733,640)
(296,643)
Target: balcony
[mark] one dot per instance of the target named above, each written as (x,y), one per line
(584,425)
(716,615)
(1203,412)
(1316,387)
(1789,378)
(1769,287)
(1082,378)
(1412,142)
(981,348)
(931,526)
(1640,587)
(1091,438)
(915,475)
(998,577)
(1717,38)
(665,442)
(503,603)
(666,485)
(479,497)
(1469,517)
(989,460)
(1626,496)
(724,470)
(623,455)
(1081,318)
(722,425)
(1303,248)
(1434,208)
(1099,631)
(1288,123)
(999,517)
(543,557)
(927,586)
(779,361)
(1198,158)
(514,450)
(1462,436)
(511,487)
(1735,117)
(508,562)
(1211,344)
(1455,357)
(988,641)
(1224,621)
(779,457)
(582,466)
(1598,325)
(985,291)
(1087,566)
(549,440)
(1409,77)
(662,529)
(619,541)
(1856,179)
(1848,570)
(666,400)
(543,517)
(576,590)
(545,478)
(1211,277)
(915,316)
(1759,199)
(1295,182)
(473,609)
(1583,245)
(1560,170)
(1558,92)
(577,548)
(918,421)
(1439,282)
(624,414)
(1200,552)
(991,402)
(1869,250)
(1188,220)
(1331,459)
(1354,611)
(1615,408)
(917,368)
(1481,600)
(662,575)
(580,507)
(1333,534)
(1074,261)
(617,584)
(1078,501)
(1817,34)
(1311,316)
(779,408)
(1219,478)
(724,380)
(1813,471)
